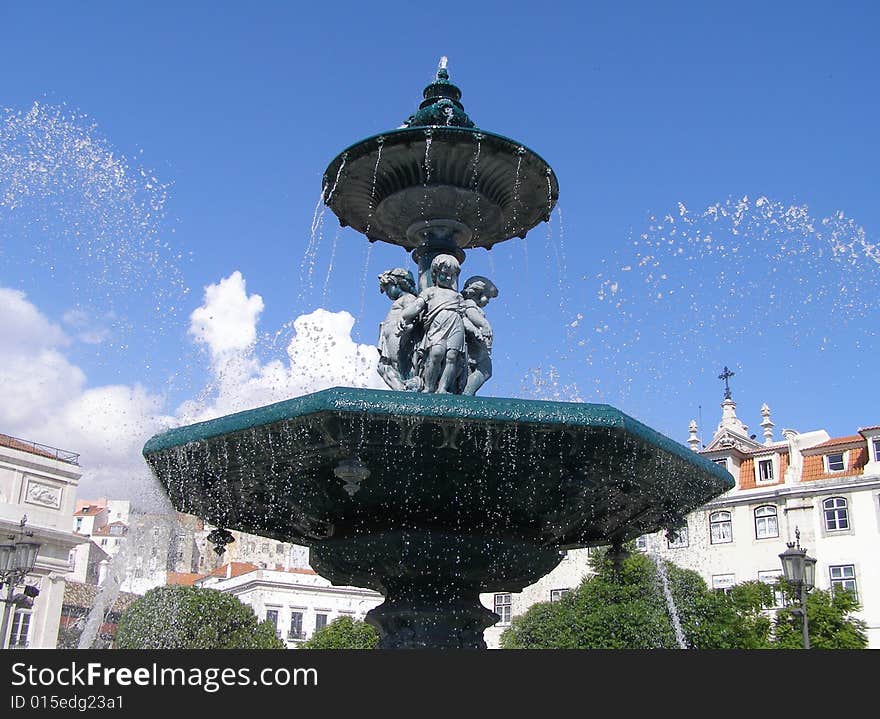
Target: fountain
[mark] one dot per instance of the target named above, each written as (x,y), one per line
(425,492)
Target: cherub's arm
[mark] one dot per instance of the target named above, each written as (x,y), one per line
(479,321)
(410,312)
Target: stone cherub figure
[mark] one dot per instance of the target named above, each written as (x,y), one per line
(396,348)
(442,355)
(477,292)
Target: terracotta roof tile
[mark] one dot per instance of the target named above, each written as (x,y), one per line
(186,579)
(834,441)
(814,466)
(238,568)
(90,510)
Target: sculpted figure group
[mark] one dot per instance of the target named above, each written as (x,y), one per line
(438,341)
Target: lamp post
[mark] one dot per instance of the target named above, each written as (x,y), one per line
(800,573)
(18,555)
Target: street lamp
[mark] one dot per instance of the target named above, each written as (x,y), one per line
(18,555)
(800,573)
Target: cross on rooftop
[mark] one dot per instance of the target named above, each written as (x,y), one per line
(726,375)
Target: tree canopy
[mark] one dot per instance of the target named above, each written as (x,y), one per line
(830,623)
(624,606)
(343,633)
(176,617)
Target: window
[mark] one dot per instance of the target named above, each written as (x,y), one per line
(720,530)
(836,514)
(502,608)
(296,625)
(272,616)
(678,538)
(642,543)
(772,576)
(557,594)
(79,523)
(875,442)
(21,627)
(765,470)
(320,621)
(265,548)
(835,462)
(722,462)
(722,582)
(103,542)
(843,576)
(279,549)
(765,522)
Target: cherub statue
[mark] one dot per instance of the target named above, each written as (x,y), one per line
(396,349)
(443,352)
(477,292)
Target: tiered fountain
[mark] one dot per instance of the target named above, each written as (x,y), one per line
(427,493)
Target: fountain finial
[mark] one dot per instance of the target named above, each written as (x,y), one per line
(442,104)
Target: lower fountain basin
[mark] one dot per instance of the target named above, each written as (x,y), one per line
(432,498)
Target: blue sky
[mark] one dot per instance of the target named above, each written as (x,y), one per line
(224,117)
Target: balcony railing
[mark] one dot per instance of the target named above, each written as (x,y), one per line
(44,450)
(296,635)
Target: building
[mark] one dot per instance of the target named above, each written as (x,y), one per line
(824,490)
(104,520)
(79,599)
(89,564)
(39,482)
(296,600)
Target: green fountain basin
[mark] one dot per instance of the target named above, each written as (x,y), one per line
(554,474)
(432,499)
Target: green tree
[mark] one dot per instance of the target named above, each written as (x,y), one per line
(623,606)
(830,622)
(343,633)
(177,617)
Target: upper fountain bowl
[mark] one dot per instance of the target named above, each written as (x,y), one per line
(439,167)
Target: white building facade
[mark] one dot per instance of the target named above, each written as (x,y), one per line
(40,483)
(827,490)
(297,601)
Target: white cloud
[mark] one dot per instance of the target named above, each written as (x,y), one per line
(320,355)
(45,398)
(34,374)
(227,321)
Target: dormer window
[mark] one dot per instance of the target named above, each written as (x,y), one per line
(875,445)
(766,469)
(835,462)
